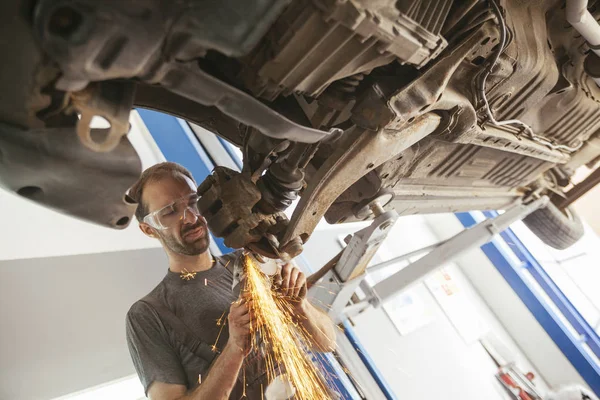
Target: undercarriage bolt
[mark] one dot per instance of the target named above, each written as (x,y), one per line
(376,208)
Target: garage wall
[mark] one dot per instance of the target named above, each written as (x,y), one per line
(63,319)
(510,311)
(587,208)
(433,361)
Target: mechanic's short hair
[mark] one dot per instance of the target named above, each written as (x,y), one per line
(153,174)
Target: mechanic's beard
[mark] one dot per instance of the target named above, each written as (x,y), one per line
(184,248)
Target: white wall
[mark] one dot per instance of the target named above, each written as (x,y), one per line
(30,230)
(510,311)
(433,361)
(587,208)
(63,320)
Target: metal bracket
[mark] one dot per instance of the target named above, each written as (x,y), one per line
(339,284)
(453,247)
(436,256)
(109,100)
(189,81)
(363,246)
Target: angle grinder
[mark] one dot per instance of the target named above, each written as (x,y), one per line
(268,266)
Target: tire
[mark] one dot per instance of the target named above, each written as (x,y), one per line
(554,227)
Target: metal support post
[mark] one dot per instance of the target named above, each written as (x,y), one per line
(364,244)
(339,284)
(450,249)
(403,257)
(579,190)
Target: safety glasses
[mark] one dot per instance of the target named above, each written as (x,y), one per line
(172,213)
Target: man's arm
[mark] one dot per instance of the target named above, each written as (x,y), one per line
(319,326)
(224,372)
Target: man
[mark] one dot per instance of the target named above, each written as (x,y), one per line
(170,329)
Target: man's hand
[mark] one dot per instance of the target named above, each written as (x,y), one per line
(240,318)
(223,373)
(293,283)
(319,326)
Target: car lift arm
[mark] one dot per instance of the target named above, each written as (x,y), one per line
(350,270)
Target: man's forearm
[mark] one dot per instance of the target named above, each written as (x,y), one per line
(221,378)
(318,325)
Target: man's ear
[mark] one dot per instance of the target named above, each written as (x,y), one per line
(148,230)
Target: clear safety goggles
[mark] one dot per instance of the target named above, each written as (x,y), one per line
(172,213)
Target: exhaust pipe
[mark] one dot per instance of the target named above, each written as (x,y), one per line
(584,23)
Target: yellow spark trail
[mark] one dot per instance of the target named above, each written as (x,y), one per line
(286,342)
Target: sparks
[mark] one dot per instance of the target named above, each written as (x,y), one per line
(286,341)
(244,386)
(221,320)
(222,323)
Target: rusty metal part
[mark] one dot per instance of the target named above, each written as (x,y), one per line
(420,95)
(587,154)
(292,248)
(540,78)
(191,82)
(578,190)
(362,151)
(109,39)
(315,277)
(109,100)
(375,205)
(99,41)
(315,43)
(345,207)
(160,99)
(227,201)
(45,165)
(283,181)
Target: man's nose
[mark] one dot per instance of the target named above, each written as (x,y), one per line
(189,217)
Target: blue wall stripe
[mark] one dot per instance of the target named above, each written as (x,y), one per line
(569,311)
(571,346)
(368,361)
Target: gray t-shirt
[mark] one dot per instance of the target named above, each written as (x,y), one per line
(157,352)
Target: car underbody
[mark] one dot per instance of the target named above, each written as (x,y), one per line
(340,103)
